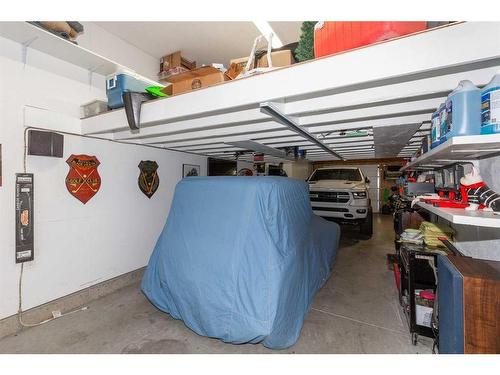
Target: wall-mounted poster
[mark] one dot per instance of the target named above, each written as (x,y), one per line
(189,170)
(148,177)
(83,180)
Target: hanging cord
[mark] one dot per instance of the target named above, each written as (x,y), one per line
(55,314)
(20,307)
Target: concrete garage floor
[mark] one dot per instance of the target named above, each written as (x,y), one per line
(356,312)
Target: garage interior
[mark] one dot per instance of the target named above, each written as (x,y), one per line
(305,206)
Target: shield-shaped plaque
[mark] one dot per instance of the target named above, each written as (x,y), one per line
(83,180)
(148,177)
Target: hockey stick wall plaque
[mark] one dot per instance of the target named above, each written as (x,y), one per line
(148,177)
(83,180)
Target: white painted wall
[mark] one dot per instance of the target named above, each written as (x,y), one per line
(480,242)
(300,169)
(373,174)
(102,42)
(76,245)
(243,164)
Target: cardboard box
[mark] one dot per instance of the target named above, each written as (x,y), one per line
(233,71)
(239,63)
(175,60)
(166,74)
(279,58)
(170,61)
(188,64)
(193,79)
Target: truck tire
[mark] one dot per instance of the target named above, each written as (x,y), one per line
(366,227)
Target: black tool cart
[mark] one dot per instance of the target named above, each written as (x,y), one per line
(416,265)
(418,273)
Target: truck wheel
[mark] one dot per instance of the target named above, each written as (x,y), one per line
(366,227)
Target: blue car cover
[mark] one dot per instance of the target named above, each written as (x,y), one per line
(240,258)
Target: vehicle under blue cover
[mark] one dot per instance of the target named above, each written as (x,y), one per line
(241,258)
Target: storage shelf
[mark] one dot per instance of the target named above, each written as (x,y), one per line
(464,148)
(44,41)
(478,218)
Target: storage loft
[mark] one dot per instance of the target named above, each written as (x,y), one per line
(386,101)
(380,111)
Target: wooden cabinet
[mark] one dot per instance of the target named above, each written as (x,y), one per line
(469,305)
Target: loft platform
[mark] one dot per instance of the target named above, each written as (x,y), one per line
(355,110)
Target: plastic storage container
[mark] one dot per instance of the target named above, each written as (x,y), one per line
(122,81)
(333,37)
(93,108)
(436,126)
(490,106)
(463,112)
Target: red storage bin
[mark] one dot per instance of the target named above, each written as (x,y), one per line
(333,37)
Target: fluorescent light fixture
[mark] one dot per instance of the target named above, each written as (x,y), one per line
(259,147)
(266,29)
(270,109)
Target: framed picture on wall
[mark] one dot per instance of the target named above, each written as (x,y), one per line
(189,170)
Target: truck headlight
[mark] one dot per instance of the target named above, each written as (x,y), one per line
(359,194)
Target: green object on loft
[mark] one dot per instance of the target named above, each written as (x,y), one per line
(305,48)
(356,133)
(156,91)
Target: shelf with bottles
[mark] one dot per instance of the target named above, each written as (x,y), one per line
(460,148)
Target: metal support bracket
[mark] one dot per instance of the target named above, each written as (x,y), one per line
(275,110)
(91,72)
(24,49)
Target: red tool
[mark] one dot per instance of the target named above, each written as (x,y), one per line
(450,204)
(449,199)
(428,294)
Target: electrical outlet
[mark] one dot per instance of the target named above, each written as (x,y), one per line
(56,314)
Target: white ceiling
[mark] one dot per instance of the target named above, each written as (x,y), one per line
(204,42)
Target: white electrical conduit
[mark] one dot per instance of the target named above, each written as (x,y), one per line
(55,314)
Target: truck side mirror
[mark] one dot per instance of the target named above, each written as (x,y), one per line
(367,180)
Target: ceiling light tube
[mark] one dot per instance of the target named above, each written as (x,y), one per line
(271,110)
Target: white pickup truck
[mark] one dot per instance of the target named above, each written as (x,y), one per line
(341,193)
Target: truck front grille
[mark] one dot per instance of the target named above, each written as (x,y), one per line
(329,196)
(333,209)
